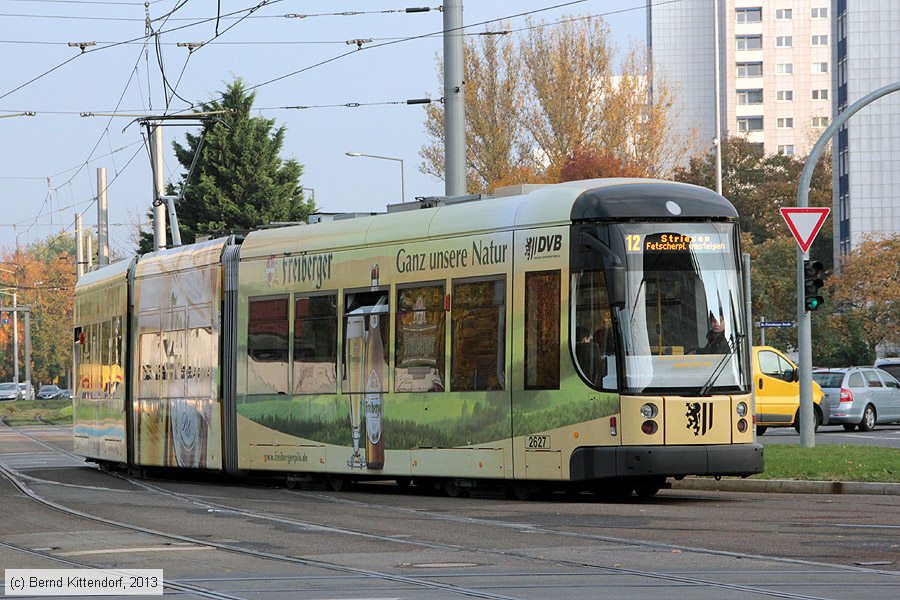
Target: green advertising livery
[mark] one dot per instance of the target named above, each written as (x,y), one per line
(587,334)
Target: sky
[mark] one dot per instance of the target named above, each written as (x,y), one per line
(125,79)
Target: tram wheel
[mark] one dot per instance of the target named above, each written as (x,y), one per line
(519,492)
(336,483)
(452,489)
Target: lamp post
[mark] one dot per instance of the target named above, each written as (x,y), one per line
(15,330)
(402,172)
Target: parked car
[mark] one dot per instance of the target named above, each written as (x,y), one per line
(860,396)
(778,392)
(891,365)
(65,394)
(8,391)
(48,392)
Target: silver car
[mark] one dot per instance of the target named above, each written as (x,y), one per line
(860,396)
(9,391)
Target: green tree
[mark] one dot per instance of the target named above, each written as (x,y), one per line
(240,181)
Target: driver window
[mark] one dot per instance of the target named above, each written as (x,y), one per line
(592,339)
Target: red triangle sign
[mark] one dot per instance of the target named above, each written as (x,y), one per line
(805,223)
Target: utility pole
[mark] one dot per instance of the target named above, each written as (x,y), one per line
(454,100)
(79,248)
(102,219)
(16,337)
(89,242)
(718,141)
(159,209)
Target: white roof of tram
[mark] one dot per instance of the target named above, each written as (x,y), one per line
(544,206)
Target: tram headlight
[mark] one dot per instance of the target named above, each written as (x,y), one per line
(649,427)
(742,425)
(741,409)
(649,410)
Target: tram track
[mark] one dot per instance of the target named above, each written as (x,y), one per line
(13,477)
(201,502)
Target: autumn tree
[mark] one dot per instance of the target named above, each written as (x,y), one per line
(44,279)
(240,181)
(551,97)
(868,286)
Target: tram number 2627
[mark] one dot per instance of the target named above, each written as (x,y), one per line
(537,442)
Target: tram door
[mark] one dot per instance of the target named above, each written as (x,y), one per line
(539,343)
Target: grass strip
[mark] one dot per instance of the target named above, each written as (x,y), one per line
(28,412)
(832,463)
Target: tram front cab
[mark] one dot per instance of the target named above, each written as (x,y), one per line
(657,291)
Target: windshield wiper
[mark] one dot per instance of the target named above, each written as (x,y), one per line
(714,376)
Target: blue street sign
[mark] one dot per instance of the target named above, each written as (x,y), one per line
(775,323)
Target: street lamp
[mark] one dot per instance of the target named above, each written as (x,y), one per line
(402,172)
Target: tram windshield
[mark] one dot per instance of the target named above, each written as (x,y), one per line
(682,319)
(682,325)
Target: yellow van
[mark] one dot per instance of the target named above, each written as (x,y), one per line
(778,392)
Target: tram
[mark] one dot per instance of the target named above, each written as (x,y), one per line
(588,334)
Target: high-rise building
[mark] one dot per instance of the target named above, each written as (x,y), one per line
(866,157)
(774,68)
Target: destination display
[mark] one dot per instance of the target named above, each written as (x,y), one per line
(676,242)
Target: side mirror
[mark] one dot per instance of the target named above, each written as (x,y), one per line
(615,284)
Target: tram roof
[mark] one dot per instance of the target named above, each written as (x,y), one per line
(105,275)
(548,205)
(182,258)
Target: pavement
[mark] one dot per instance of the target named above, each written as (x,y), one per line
(787,486)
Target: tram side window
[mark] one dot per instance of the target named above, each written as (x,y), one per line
(315,344)
(267,346)
(421,326)
(366,342)
(542,330)
(592,336)
(478,325)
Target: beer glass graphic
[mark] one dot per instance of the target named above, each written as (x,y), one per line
(356,338)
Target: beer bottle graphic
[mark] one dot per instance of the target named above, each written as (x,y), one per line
(373,397)
(355,373)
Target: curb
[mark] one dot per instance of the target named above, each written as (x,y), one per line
(787,486)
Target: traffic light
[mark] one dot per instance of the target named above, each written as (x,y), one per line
(812,270)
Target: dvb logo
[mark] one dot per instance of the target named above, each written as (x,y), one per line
(542,243)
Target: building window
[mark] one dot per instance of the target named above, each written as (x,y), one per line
(819,67)
(750,124)
(749,96)
(421,327)
(818,13)
(820,121)
(784,68)
(750,69)
(819,40)
(784,122)
(784,14)
(787,149)
(267,346)
(784,95)
(820,94)
(315,344)
(478,325)
(542,301)
(749,42)
(749,15)
(784,41)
